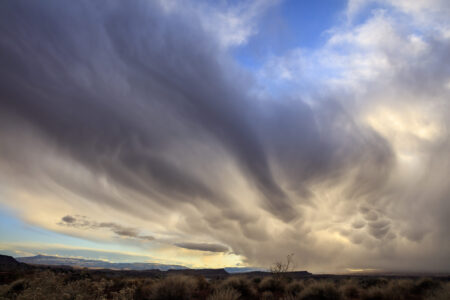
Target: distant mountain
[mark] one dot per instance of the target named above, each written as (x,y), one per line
(94,264)
(99,264)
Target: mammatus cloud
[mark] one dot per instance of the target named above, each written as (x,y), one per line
(113,112)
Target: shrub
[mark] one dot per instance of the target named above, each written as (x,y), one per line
(424,285)
(399,289)
(350,290)
(17,287)
(240,284)
(320,291)
(272,284)
(370,282)
(441,293)
(294,288)
(144,289)
(227,294)
(256,280)
(376,293)
(124,294)
(173,288)
(267,296)
(51,284)
(203,288)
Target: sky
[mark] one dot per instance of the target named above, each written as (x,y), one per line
(227,133)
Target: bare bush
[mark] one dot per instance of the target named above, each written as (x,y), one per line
(279,268)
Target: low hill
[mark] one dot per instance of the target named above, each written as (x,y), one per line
(8,263)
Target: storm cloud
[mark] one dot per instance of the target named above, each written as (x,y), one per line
(134,111)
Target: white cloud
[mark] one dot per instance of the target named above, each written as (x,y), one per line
(231,23)
(235,24)
(431,15)
(351,56)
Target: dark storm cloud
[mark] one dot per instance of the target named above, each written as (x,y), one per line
(97,79)
(203,247)
(114,94)
(116,87)
(83,222)
(138,110)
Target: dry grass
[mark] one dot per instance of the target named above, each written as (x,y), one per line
(227,294)
(321,290)
(174,288)
(79,285)
(294,288)
(242,285)
(274,285)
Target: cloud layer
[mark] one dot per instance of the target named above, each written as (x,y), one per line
(82,222)
(135,112)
